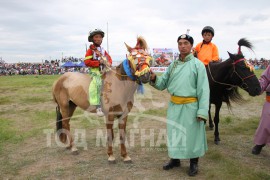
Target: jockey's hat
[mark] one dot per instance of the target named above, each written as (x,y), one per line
(186,37)
(208,29)
(95,32)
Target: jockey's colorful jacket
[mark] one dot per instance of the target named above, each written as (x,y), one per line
(92,57)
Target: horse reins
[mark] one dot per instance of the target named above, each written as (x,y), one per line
(217,81)
(234,71)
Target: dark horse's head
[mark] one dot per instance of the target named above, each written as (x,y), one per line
(243,72)
(140,60)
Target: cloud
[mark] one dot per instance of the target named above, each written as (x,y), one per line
(249,19)
(35,30)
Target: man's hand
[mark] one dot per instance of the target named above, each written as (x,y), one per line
(152,76)
(201,119)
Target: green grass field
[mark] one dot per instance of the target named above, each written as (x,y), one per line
(27,112)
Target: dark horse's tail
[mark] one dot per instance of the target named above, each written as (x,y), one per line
(58,119)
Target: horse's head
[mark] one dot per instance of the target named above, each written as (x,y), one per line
(140,60)
(244,72)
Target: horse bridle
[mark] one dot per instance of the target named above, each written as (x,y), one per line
(234,71)
(132,71)
(242,78)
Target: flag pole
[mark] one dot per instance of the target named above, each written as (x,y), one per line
(108,38)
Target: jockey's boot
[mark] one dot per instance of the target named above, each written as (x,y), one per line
(171,164)
(193,168)
(257,149)
(99,112)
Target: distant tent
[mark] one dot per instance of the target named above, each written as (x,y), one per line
(81,64)
(69,64)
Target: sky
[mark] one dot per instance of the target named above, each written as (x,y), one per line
(38,30)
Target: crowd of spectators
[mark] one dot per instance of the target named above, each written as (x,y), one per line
(47,67)
(71,59)
(259,64)
(54,66)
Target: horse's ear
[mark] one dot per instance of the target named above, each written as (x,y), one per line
(128,48)
(231,55)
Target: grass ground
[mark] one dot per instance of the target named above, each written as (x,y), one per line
(28,149)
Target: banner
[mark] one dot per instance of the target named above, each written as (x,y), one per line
(159,69)
(162,56)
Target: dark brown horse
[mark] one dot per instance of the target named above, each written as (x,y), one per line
(225,78)
(117,96)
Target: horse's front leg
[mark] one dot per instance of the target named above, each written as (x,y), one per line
(211,125)
(122,129)
(110,137)
(216,120)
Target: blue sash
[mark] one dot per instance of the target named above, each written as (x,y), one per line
(127,69)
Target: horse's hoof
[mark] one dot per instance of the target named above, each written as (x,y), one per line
(217,142)
(111,159)
(211,128)
(127,160)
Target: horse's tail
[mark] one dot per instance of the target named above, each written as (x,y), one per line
(232,95)
(53,89)
(58,113)
(58,118)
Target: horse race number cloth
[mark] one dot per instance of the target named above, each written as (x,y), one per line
(186,137)
(95,86)
(262,135)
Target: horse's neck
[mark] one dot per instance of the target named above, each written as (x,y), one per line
(121,74)
(118,90)
(221,72)
(119,78)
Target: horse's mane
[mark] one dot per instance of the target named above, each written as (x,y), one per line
(244,42)
(141,44)
(121,72)
(120,68)
(232,95)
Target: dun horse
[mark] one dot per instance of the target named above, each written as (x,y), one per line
(118,88)
(224,80)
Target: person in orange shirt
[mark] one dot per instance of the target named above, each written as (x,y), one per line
(206,50)
(96,58)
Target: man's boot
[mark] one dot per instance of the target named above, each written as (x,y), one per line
(257,149)
(193,168)
(171,164)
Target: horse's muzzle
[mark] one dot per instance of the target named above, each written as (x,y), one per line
(145,78)
(255,91)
